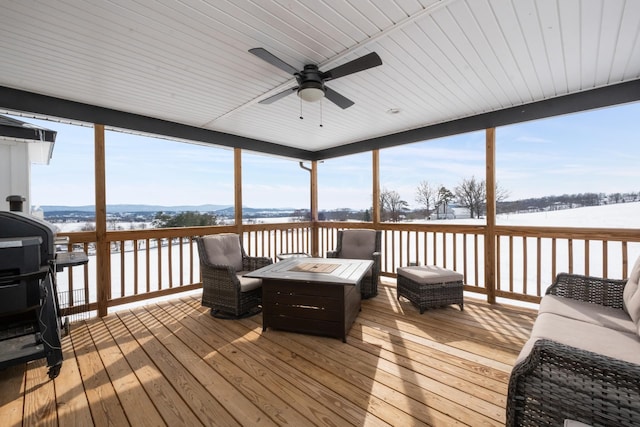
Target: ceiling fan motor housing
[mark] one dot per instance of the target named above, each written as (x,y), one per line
(311,87)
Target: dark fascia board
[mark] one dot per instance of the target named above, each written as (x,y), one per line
(607,96)
(12,128)
(29,102)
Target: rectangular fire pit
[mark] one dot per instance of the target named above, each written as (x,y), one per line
(312,295)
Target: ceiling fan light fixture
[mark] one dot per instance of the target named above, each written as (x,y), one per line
(311,94)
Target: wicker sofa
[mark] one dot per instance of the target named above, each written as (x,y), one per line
(582,361)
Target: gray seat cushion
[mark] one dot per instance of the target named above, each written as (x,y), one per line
(358,244)
(248,283)
(429,274)
(596,314)
(586,336)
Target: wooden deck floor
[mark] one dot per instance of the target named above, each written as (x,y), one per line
(173,364)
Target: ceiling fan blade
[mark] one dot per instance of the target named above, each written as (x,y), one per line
(360,64)
(278,95)
(341,101)
(265,55)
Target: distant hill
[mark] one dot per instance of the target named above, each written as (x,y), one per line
(135,208)
(118,209)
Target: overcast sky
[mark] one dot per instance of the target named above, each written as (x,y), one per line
(596,151)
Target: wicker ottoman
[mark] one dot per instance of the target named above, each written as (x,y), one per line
(430,286)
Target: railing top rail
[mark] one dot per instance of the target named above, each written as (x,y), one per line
(615,234)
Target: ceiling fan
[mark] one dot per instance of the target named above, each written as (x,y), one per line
(311,81)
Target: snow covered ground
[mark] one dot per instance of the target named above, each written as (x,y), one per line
(621,215)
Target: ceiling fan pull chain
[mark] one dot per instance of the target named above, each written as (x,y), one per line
(301,118)
(321,113)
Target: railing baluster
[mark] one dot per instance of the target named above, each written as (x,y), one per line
(148,266)
(475,255)
(444,250)
(435,246)
(553,258)
(587,243)
(539,266)
(191,260)
(170,261)
(181,251)
(393,252)
(122,269)
(605,258)
(570,255)
(464,259)
(455,251)
(625,272)
(524,266)
(510,263)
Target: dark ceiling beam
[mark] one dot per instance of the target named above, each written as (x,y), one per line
(13,99)
(29,102)
(582,101)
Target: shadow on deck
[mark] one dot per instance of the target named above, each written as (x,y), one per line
(171,363)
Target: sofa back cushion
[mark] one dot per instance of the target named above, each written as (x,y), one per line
(358,244)
(631,295)
(224,249)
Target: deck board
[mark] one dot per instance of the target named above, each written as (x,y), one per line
(172,363)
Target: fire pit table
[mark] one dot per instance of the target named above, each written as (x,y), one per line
(312,295)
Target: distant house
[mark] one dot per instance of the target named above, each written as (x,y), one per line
(451,212)
(21,145)
(460,212)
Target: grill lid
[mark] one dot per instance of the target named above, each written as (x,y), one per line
(18,225)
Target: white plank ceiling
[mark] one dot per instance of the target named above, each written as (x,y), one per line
(187,61)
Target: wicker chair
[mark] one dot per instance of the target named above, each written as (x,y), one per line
(223,261)
(361,244)
(557,381)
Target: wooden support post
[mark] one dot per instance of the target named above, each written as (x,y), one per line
(103,252)
(315,230)
(490,236)
(375,215)
(237,181)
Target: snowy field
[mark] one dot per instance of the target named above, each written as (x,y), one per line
(621,215)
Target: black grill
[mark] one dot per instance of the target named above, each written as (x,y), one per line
(30,325)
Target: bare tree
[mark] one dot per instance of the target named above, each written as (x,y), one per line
(502,194)
(89,226)
(472,194)
(392,205)
(425,196)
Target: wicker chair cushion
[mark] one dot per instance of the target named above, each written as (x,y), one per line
(586,336)
(429,274)
(224,249)
(248,283)
(631,296)
(358,244)
(583,311)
